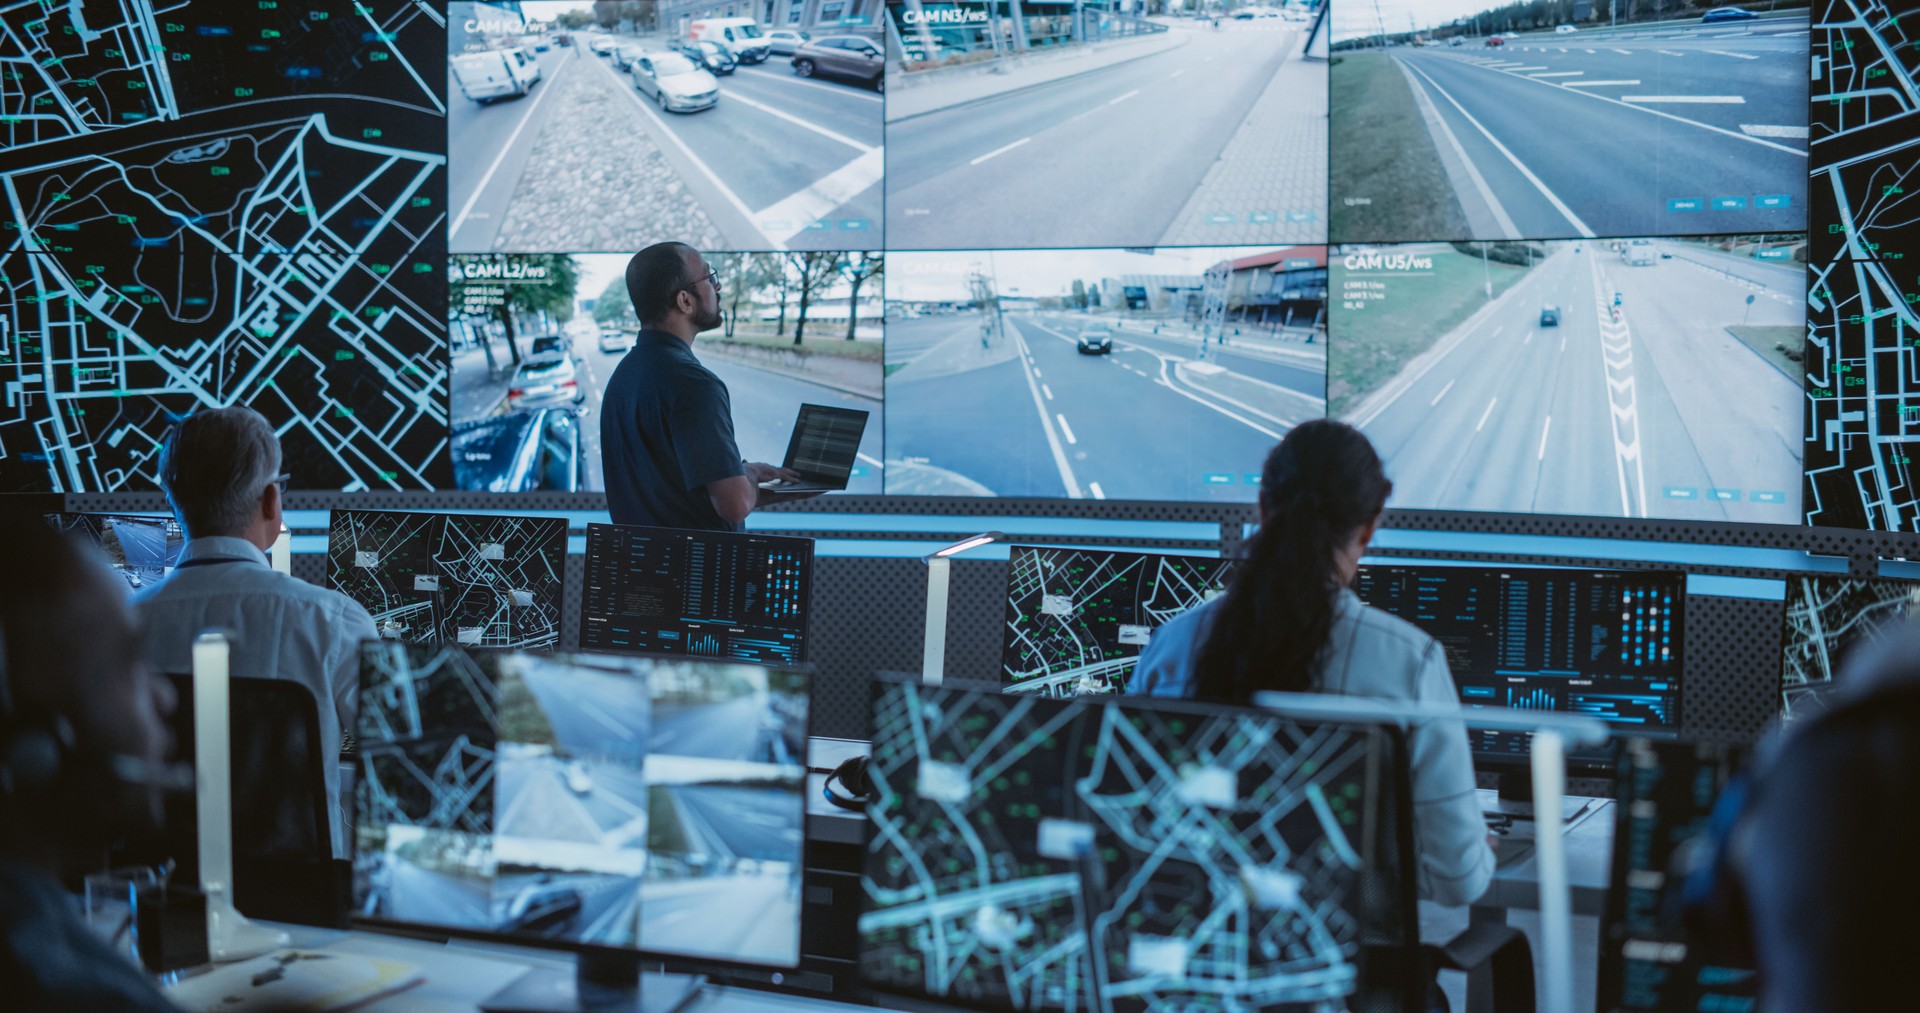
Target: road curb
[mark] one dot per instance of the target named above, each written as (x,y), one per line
(808,378)
(1031,87)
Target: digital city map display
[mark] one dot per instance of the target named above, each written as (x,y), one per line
(1043,854)
(1829,619)
(218,204)
(478,580)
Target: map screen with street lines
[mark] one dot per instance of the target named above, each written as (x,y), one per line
(1862,395)
(1077,619)
(479,580)
(1091,855)
(217,204)
(1828,620)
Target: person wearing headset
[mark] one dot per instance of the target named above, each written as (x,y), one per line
(1290,622)
(82,724)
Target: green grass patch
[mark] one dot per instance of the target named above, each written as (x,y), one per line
(895,367)
(664,831)
(1383,153)
(1781,344)
(1369,346)
(828,339)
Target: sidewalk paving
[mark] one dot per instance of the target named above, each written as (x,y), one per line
(1270,183)
(929,91)
(1290,344)
(597,182)
(859,377)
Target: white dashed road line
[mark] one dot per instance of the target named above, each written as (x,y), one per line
(1482,424)
(1000,151)
(1065,430)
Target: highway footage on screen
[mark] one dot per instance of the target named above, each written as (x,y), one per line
(142,550)
(536,337)
(1622,377)
(1862,394)
(1046,854)
(1055,124)
(588,799)
(1474,119)
(576,125)
(1100,374)
(1829,619)
(216,204)
(1077,619)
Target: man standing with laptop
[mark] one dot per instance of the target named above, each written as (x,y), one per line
(666,424)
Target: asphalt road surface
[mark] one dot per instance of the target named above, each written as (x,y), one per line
(1046,420)
(1106,158)
(731,730)
(750,918)
(756,823)
(432,898)
(1596,133)
(1661,414)
(592,713)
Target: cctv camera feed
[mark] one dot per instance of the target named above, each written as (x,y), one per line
(536,337)
(726,782)
(475,580)
(1621,377)
(221,204)
(1829,620)
(1077,619)
(604,125)
(142,550)
(1482,119)
(1045,854)
(502,792)
(1055,122)
(1100,374)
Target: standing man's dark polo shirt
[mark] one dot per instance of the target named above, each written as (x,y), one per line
(666,431)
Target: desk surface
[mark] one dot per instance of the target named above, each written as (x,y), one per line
(1589,848)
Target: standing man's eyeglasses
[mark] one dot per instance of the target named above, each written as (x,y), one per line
(712,278)
(282,480)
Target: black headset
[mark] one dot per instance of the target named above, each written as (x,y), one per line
(852,775)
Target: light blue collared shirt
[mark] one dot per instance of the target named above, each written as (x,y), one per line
(281,628)
(1372,654)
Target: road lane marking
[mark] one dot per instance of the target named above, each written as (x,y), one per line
(686,152)
(1098,493)
(1125,97)
(1698,100)
(806,124)
(1599,84)
(1515,70)
(1543,438)
(1552,198)
(1000,151)
(1768,130)
(1559,73)
(1737,56)
(1590,52)
(1496,332)
(1668,52)
(1036,369)
(1443,393)
(790,216)
(1065,430)
(1623,52)
(1432,113)
(1483,415)
(1053,438)
(1528,340)
(1048,391)
(788,79)
(480,188)
(870,460)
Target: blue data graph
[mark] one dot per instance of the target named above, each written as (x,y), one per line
(1623,708)
(1536,699)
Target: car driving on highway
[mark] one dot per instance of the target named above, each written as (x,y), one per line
(613,339)
(712,57)
(545,382)
(1728,14)
(521,451)
(1495,40)
(546,908)
(674,82)
(850,56)
(1095,340)
(1549,315)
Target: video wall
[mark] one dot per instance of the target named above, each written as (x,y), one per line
(1609,259)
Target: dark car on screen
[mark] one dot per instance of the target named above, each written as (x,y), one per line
(545,908)
(521,451)
(1728,14)
(1549,316)
(712,57)
(855,57)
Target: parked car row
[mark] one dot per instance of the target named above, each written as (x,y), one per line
(682,75)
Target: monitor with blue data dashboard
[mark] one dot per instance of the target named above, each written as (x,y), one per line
(710,594)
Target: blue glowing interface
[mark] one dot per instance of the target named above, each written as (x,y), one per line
(738,597)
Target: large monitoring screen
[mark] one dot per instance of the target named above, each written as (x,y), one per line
(1092,854)
(632,803)
(1604,644)
(701,593)
(1077,619)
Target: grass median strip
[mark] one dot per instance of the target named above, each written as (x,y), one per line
(1383,154)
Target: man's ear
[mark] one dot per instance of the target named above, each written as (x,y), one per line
(270,502)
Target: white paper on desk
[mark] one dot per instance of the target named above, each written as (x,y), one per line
(295,980)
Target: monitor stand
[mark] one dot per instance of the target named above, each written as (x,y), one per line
(599,983)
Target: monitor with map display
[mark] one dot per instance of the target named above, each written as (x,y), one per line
(223,204)
(1077,619)
(633,803)
(1100,854)
(1828,620)
(480,580)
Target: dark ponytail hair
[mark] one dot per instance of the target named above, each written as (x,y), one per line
(1319,487)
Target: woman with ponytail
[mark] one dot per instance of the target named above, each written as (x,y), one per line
(1291,622)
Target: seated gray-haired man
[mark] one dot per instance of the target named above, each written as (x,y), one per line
(221,472)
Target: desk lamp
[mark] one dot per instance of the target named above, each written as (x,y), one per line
(939,573)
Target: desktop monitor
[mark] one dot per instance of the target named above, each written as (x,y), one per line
(1604,644)
(1104,854)
(427,578)
(141,549)
(1827,620)
(703,593)
(1077,619)
(624,803)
